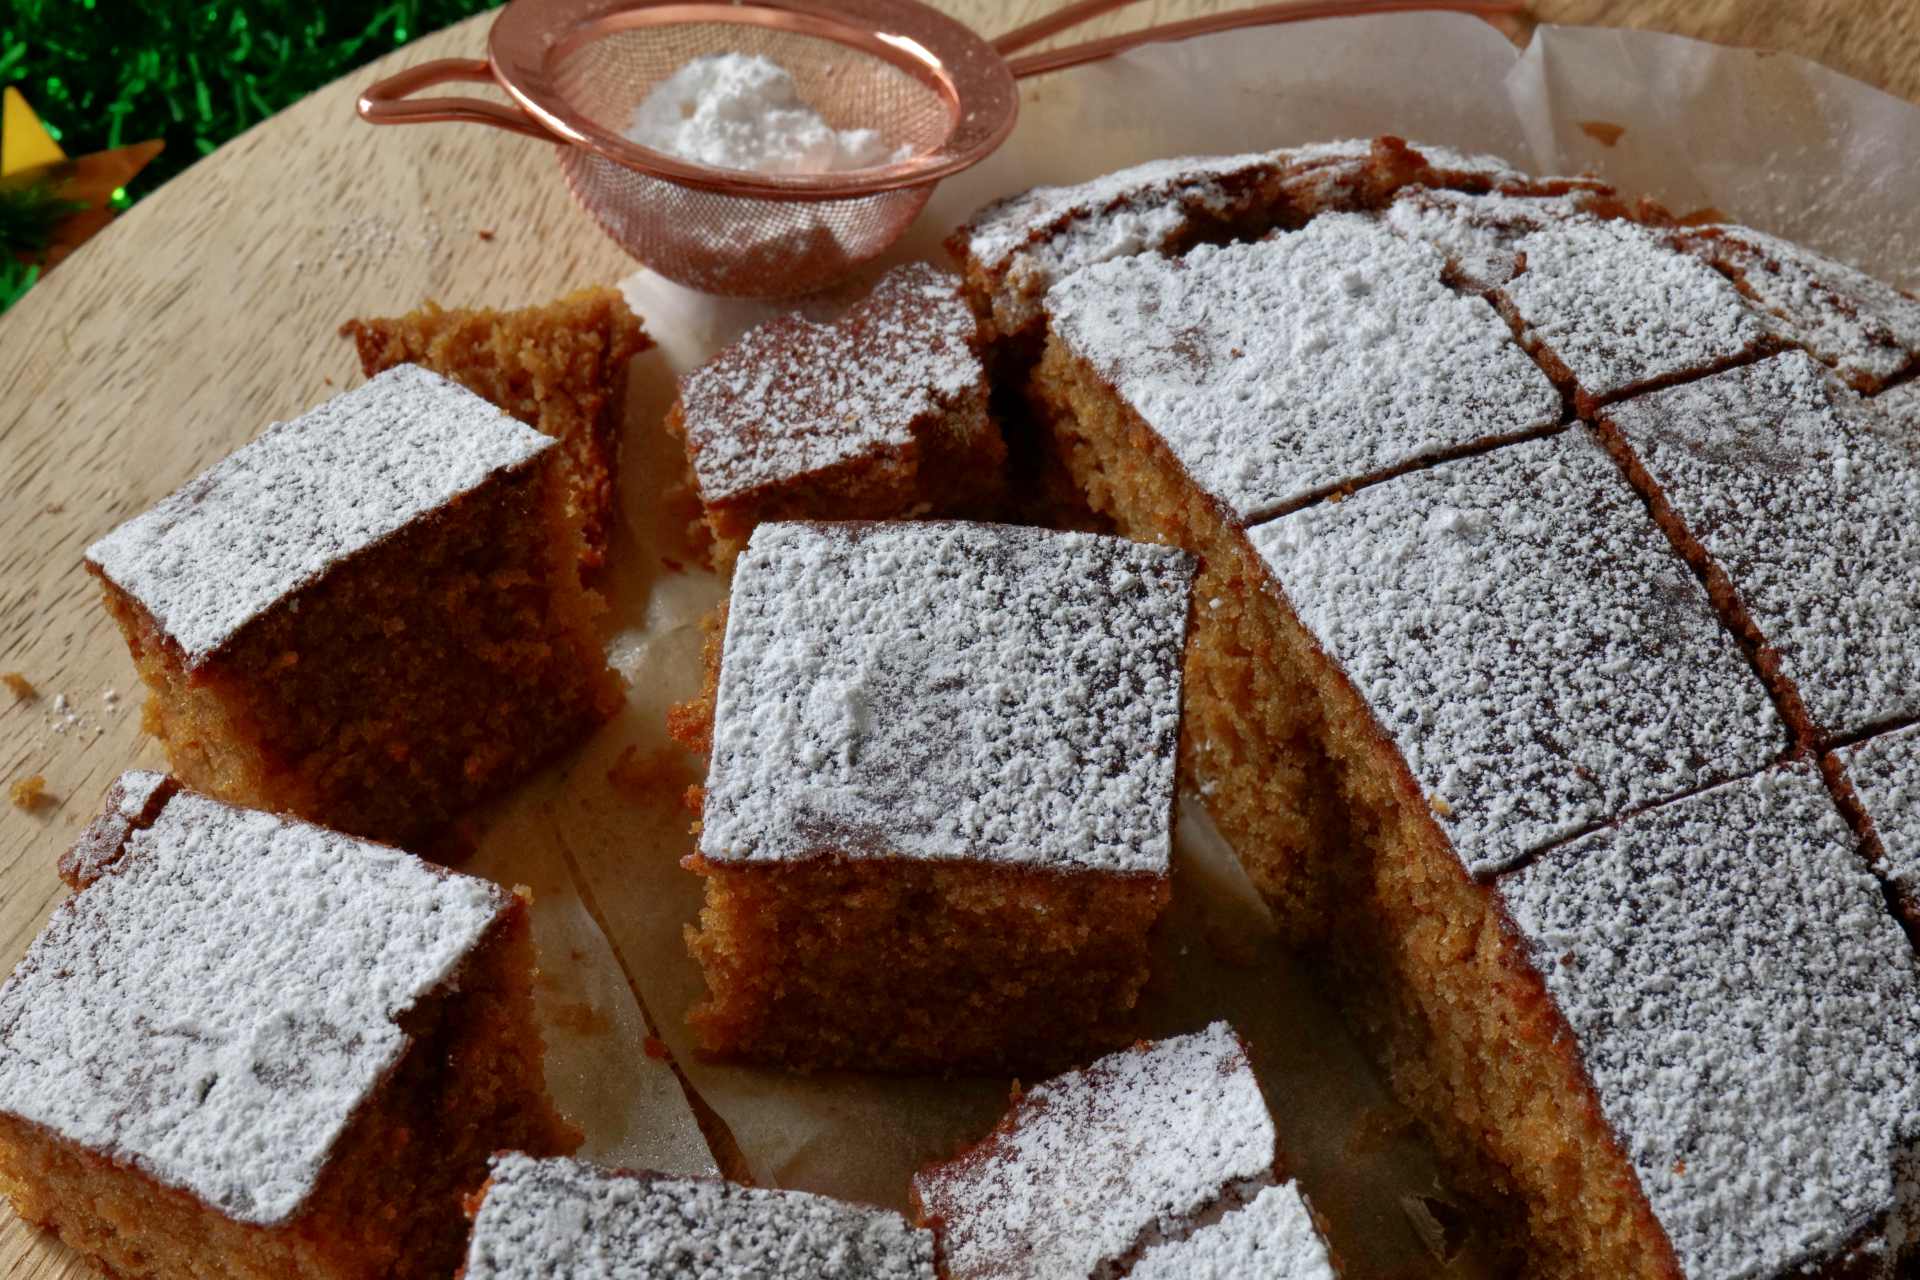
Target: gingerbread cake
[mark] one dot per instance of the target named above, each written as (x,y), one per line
(252,1047)
(938,806)
(879,414)
(1867,330)
(556,367)
(537,1219)
(1162,1154)
(1271,375)
(370,616)
(1445,654)
(1797,499)
(1480,233)
(1748,1015)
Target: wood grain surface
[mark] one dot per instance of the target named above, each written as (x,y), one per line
(210,310)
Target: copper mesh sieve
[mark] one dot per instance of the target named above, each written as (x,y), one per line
(577,69)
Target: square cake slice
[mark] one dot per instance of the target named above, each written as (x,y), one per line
(1868,331)
(1748,1014)
(1280,371)
(370,616)
(252,1047)
(1884,774)
(563,1219)
(1527,643)
(937,814)
(1800,501)
(880,414)
(1091,1167)
(1610,308)
(555,367)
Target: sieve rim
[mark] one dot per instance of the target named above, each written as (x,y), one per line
(530,38)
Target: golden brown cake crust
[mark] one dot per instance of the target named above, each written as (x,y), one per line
(555,367)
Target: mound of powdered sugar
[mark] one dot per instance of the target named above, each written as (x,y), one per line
(742,111)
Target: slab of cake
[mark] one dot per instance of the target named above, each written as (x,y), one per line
(1557,628)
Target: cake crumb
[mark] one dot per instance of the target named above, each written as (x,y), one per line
(662,773)
(1440,806)
(1441,1226)
(485,233)
(656,1048)
(582,1017)
(30,794)
(1379,1128)
(21,687)
(1705,216)
(1607,135)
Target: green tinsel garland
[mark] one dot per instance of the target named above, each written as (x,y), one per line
(29,211)
(16,277)
(103,73)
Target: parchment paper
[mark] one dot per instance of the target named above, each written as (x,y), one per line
(1772,140)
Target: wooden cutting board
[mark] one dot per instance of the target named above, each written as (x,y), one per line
(210,309)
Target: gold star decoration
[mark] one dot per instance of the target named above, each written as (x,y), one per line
(50,205)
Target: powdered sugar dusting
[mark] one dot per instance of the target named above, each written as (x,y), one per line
(1159,189)
(1902,401)
(1749,1014)
(945,690)
(215,1006)
(1146,209)
(305,495)
(1272,1238)
(1528,639)
(1277,370)
(1866,330)
(1809,498)
(1478,234)
(129,803)
(1885,772)
(1090,1164)
(1620,308)
(560,1217)
(1028,242)
(1151,191)
(794,397)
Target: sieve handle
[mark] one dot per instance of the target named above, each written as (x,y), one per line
(1034,64)
(385,102)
